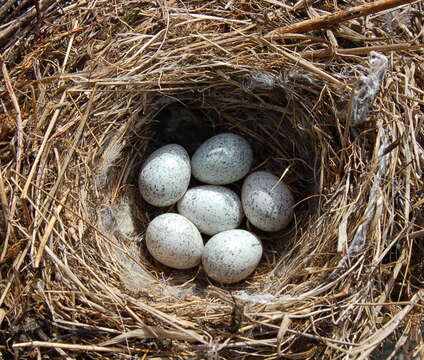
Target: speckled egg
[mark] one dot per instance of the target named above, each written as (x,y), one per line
(222,159)
(174,241)
(267,203)
(165,176)
(231,255)
(211,208)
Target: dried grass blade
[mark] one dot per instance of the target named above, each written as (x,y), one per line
(324,22)
(5,208)
(342,231)
(77,137)
(40,152)
(48,231)
(16,266)
(65,346)
(367,345)
(2,315)
(19,123)
(65,268)
(285,324)
(133,334)
(308,66)
(170,320)
(149,332)
(324,53)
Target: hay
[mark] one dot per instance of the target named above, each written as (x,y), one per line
(106,83)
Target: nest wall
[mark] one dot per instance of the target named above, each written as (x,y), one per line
(91,102)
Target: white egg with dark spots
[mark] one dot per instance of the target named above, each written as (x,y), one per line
(174,241)
(165,176)
(231,256)
(267,202)
(222,159)
(211,208)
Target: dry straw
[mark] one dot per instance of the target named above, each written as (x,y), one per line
(92,87)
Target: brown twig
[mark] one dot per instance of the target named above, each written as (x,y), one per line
(65,346)
(47,133)
(19,149)
(39,18)
(6,215)
(324,53)
(48,231)
(326,21)
(22,20)
(307,65)
(5,7)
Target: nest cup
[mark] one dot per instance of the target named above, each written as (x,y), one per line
(273,121)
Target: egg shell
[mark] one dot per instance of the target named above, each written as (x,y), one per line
(222,159)
(174,241)
(165,176)
(267,203)
(231,255)
(211,208)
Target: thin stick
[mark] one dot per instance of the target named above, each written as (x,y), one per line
(16,266)
(65,269)
(42,147)
(19,153)
(280,4)
(168,319)
(59,322)
(14,25)
(19,124)
(6,6)
(48,231)
(68,50)
(77,136)
(4,203)
(324,53)
(88,223)
(326,21)
(60,351)
(2,315)
(3,198)
(307,65)
(378,336)
(65,346)
(416,234)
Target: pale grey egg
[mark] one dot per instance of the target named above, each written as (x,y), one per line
(231,256)
(211,208)
(165,176)
(267,202)
(222,159)
(174,241)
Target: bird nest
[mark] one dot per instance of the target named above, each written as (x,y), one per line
(100,85)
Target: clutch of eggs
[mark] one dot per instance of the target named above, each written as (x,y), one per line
(174,240)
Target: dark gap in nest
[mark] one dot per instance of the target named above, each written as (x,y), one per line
(417,263)
(278,138)
(389,346)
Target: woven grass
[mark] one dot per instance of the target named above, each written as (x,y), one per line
(97,86)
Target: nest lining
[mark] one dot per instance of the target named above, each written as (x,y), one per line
(276,152)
